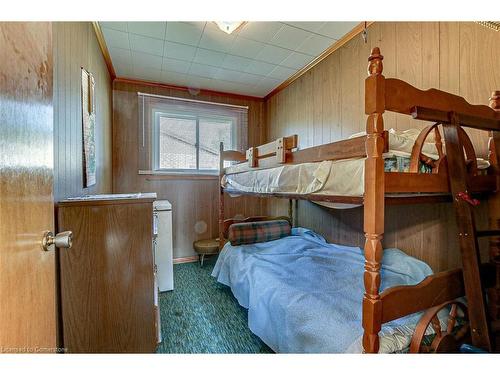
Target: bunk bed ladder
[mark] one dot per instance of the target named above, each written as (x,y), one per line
(463,204)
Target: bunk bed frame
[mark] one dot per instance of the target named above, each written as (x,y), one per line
(454,178)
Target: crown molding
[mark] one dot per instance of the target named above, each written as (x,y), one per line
(104,49)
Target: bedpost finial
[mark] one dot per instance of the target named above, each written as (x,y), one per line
(375,65)
(495,100)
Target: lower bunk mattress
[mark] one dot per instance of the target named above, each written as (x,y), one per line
(304,295)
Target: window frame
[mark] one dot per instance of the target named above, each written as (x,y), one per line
(157,113)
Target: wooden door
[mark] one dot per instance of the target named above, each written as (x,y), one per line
(27,273)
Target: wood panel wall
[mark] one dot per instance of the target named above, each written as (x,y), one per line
(194,200)
(75,46)
(327,104)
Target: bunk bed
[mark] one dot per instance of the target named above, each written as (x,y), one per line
(454,176)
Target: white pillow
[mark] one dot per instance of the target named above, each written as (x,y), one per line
(401,142)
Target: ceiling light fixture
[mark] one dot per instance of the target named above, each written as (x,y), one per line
(228,26)
(495,25)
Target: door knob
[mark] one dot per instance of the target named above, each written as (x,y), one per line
(61,240)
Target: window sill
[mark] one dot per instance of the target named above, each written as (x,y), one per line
(159,175)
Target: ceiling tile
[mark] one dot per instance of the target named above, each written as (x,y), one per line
(260,67)
(173,65)
(260,93)
(269,84)
(273,54)
(309,26)
(146,60)
(228,86)
(182,32)
(296,60)
(174,78)
(208,57)
(216,40)
(289,37)
(228,75)
(115,38)
(202,70)
(198,24)
(281,72)
(236,63)
(260,31)
(336,30)
(179,51)
(151,29)
(120,26)
(122,69)
(198,82)
(245,47)
(261,81)
(146,44)
(249,79)
(315,44)
(147,74)
(120,54)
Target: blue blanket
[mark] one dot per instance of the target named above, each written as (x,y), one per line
(304,295)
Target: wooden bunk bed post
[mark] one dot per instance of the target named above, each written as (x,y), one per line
(494,224)
(221,196)
(373,200)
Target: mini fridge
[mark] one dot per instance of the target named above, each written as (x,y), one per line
(163,247)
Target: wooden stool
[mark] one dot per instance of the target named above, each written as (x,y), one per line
(206,247)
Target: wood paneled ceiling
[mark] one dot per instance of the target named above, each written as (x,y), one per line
(251,61)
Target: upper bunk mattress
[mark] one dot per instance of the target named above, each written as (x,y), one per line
(338,178)
(343,177)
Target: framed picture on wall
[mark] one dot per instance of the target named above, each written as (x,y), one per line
(88,129)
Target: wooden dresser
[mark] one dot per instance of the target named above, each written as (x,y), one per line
(107,281)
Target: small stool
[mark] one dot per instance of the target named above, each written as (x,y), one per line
(206,247)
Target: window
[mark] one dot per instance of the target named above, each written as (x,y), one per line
(183,136)
(191,143)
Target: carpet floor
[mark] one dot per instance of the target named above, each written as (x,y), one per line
(202,316)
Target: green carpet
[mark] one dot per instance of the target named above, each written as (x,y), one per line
(202,316)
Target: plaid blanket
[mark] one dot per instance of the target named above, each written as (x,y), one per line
(261,231)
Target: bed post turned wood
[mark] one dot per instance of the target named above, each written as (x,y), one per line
(373,200)
(221,196)
(494,224)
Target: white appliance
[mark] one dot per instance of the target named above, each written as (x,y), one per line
(163,246)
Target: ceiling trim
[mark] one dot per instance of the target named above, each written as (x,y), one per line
(104,49)
(184,88)
(338,44)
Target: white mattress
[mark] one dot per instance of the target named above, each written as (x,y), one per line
(341,177)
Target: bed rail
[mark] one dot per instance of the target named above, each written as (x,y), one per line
(401,97)
(339,150)
(444,117)
(275,151)
(444,286)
